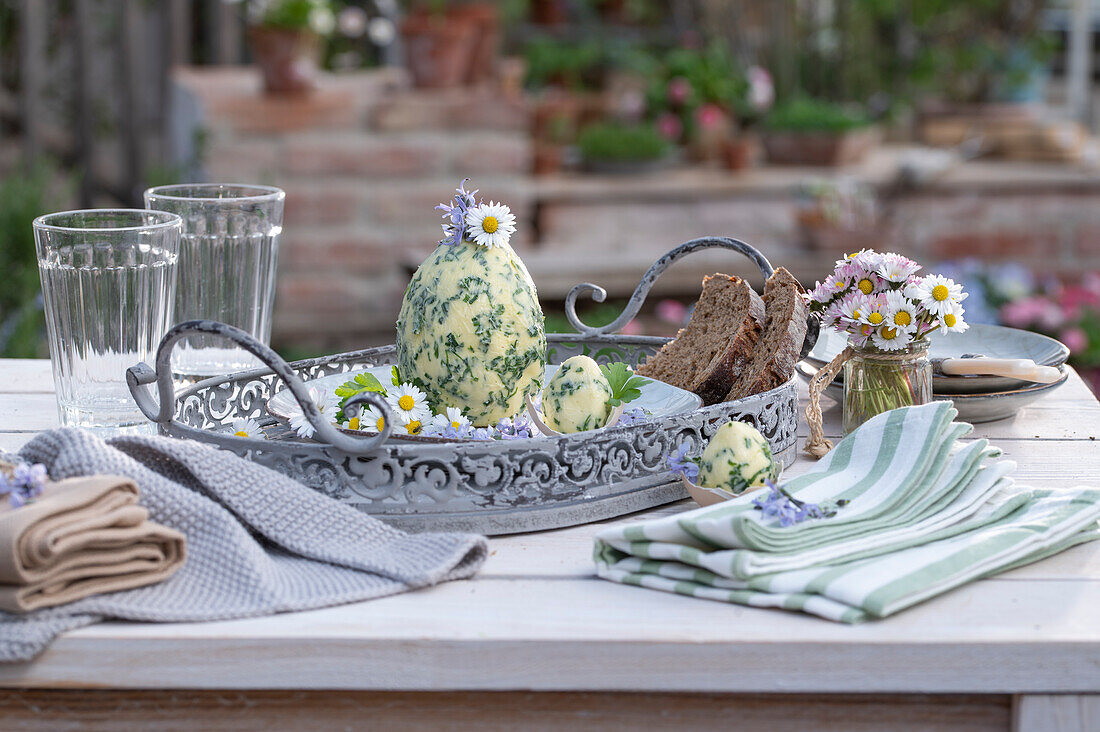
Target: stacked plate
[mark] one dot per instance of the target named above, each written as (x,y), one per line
(978,398)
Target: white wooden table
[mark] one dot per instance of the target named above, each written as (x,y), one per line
(1020,649)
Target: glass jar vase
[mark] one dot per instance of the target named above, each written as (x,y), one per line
(877,381)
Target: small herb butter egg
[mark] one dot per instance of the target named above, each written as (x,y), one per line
(737,457)
(576,397)
(471,331)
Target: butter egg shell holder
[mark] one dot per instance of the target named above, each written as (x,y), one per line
(705,496)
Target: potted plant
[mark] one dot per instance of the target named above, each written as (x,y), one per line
(805,131)
(284,36)
(691,98)
(439,43)
(617,148)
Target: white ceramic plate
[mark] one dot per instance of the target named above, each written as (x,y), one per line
(994,341)
(658,399)
(973,408)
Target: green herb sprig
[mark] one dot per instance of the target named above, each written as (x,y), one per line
(625,386)
(360,384)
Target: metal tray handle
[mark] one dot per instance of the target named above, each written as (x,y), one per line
(637,299)
(140,376)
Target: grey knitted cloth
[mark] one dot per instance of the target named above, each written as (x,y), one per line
(257,542)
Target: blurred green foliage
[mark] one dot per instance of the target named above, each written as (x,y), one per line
(802,114)
(580,64)
(596,315)
(23,197)
(617,142)
(291,14)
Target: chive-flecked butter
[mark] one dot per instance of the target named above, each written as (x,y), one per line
(736,458)
(471,331)
(576,397)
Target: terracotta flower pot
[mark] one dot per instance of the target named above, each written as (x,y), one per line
(486,46)
(743,152)
(288,59)
(820,148)
(438,48)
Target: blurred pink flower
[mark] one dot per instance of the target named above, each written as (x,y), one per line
(669,126)
(1075,339)
(632,328)
(709,116)
(1077,296)
(1035,310)
(672,311)
(678,91)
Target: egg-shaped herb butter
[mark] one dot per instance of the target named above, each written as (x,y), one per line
(471,331)
(737,458)
(576,397)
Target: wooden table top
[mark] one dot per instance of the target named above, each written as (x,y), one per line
(536,617)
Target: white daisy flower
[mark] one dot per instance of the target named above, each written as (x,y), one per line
(868,283)
(327,405)
(874,311)
(896,268)
(409,404)
(867,259)
(952,320)
(836,285)
(248,428)
(856,258)
(937,294)
(370,419)
(821,293)
(901,312)
(890,339)
(850,308)
(490,224)
(451,417)
(861,336)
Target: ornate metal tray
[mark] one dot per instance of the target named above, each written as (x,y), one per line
(489,487)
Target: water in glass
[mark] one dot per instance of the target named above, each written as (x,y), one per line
(108,281)
(229,252)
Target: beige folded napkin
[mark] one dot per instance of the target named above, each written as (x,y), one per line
(81,537)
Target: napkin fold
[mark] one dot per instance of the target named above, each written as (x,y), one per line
(81,537)
(925,514)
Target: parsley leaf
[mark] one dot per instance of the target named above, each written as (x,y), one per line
(625,386)
(396,376)
(358,385)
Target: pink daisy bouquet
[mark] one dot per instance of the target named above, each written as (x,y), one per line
(887,310)
(881,302)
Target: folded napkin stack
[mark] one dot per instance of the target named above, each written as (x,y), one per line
(81,537)
(919,513)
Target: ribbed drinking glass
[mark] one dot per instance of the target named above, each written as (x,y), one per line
(108,285)
(229,253)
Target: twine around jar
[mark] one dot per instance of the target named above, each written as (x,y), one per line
(817,446)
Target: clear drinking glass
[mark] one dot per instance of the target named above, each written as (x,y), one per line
(108,284)
(229,252)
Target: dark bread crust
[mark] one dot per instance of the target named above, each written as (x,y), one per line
(718,313)
(731,361)
(781,342)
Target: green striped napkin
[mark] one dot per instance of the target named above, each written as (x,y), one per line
(911,486)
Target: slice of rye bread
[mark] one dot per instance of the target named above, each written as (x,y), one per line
(781,342)
(700,355)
